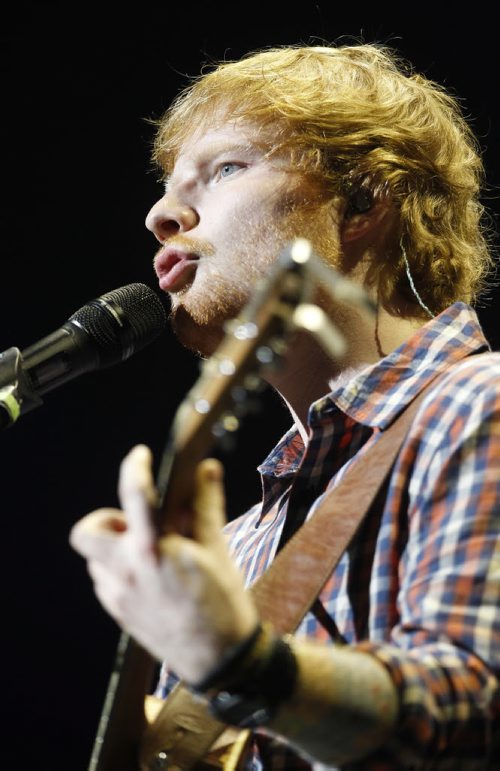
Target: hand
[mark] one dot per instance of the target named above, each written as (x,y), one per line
(182,599)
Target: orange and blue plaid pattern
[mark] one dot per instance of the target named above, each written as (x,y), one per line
(419,587)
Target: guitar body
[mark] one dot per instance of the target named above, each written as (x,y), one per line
(227,753)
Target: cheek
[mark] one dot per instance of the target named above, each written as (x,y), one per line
(253,199)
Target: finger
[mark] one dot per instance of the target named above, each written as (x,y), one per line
(138,497)
(98,534)
(209,502)
(110,588)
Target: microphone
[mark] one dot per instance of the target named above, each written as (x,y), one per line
(105,331)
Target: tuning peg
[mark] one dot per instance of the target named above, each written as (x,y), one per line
(253,383)
(265,354)
(228,423)
(224,430)
(239,395)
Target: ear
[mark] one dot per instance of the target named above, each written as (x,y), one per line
(362,217)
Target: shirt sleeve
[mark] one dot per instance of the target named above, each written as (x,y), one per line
(444,652)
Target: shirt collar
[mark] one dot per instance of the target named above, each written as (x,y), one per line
(381,391)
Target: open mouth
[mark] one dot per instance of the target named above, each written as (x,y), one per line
(174,269)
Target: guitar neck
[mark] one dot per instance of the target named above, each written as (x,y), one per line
(122,719)
(252,341)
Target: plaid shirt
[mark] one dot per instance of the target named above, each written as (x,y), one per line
(419,587)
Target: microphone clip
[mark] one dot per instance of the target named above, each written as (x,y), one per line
(16,391)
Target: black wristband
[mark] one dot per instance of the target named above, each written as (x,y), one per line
(265,685)
(232,662)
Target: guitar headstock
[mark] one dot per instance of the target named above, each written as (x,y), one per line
(221,396)
(253,343)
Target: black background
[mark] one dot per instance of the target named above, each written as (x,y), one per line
(78,83)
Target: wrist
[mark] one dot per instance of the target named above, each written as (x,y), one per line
(252,679)
(231,663)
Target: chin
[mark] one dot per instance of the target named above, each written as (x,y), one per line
(200,338)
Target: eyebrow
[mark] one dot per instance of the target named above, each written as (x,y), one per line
(223,146)
(218,147)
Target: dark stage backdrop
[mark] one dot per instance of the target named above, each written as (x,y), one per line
(78,83)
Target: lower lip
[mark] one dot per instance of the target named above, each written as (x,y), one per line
(178,276)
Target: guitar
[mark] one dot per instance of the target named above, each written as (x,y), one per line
(131,734)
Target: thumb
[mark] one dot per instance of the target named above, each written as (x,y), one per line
(209,502)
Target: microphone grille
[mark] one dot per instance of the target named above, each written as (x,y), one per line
(122,321)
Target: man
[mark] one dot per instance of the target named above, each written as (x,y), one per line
(375,166)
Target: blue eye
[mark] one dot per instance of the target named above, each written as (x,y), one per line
(226,169)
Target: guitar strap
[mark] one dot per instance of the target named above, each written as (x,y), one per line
(184,730)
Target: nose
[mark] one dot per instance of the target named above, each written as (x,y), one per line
(168,216)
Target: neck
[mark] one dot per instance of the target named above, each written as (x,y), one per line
(309,372)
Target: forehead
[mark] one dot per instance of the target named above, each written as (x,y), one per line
(227,135)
